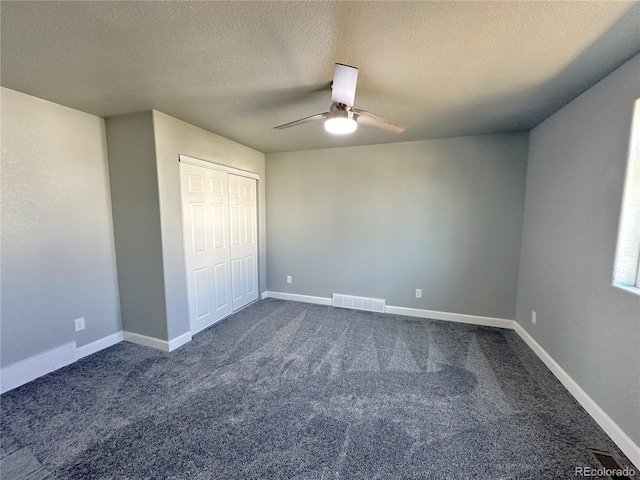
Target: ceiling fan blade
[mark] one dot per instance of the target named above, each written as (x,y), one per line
(344,84)
(372,120)
(312,118)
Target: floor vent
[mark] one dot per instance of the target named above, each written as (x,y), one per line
(359,303)
(611,466)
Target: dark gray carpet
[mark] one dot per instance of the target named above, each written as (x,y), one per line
(287,390)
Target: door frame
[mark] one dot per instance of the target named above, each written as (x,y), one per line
(216,166)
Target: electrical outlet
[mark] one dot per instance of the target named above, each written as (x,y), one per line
(533,317)
(289,279)
(418,293)
(79,324)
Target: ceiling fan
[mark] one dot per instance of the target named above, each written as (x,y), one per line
(342,118)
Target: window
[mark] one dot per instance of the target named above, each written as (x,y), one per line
(627,267)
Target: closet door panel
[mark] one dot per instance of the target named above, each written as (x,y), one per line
(244,245)
(207,247)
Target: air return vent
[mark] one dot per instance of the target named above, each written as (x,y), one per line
(359,303)
(612,468)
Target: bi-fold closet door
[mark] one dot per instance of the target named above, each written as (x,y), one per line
(219,214)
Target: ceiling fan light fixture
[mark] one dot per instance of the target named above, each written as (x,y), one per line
(340,126)
(341,122)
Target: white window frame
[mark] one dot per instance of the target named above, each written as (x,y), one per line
(627,265)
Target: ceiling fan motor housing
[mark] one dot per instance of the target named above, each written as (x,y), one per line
(340,110)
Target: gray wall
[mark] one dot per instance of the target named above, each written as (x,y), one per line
(172,138)
(145,181)
(577,162)
(136,221)
(380,221)
(58,260)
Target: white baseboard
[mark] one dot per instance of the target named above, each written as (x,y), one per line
(164,345)
(179,341)
(611,428)
(451,317)
(98,345)
(264,295)
(294,297)
(409,312)
(145,341)
(41,364)
(25,371)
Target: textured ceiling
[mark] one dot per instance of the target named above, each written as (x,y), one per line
(238,69)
